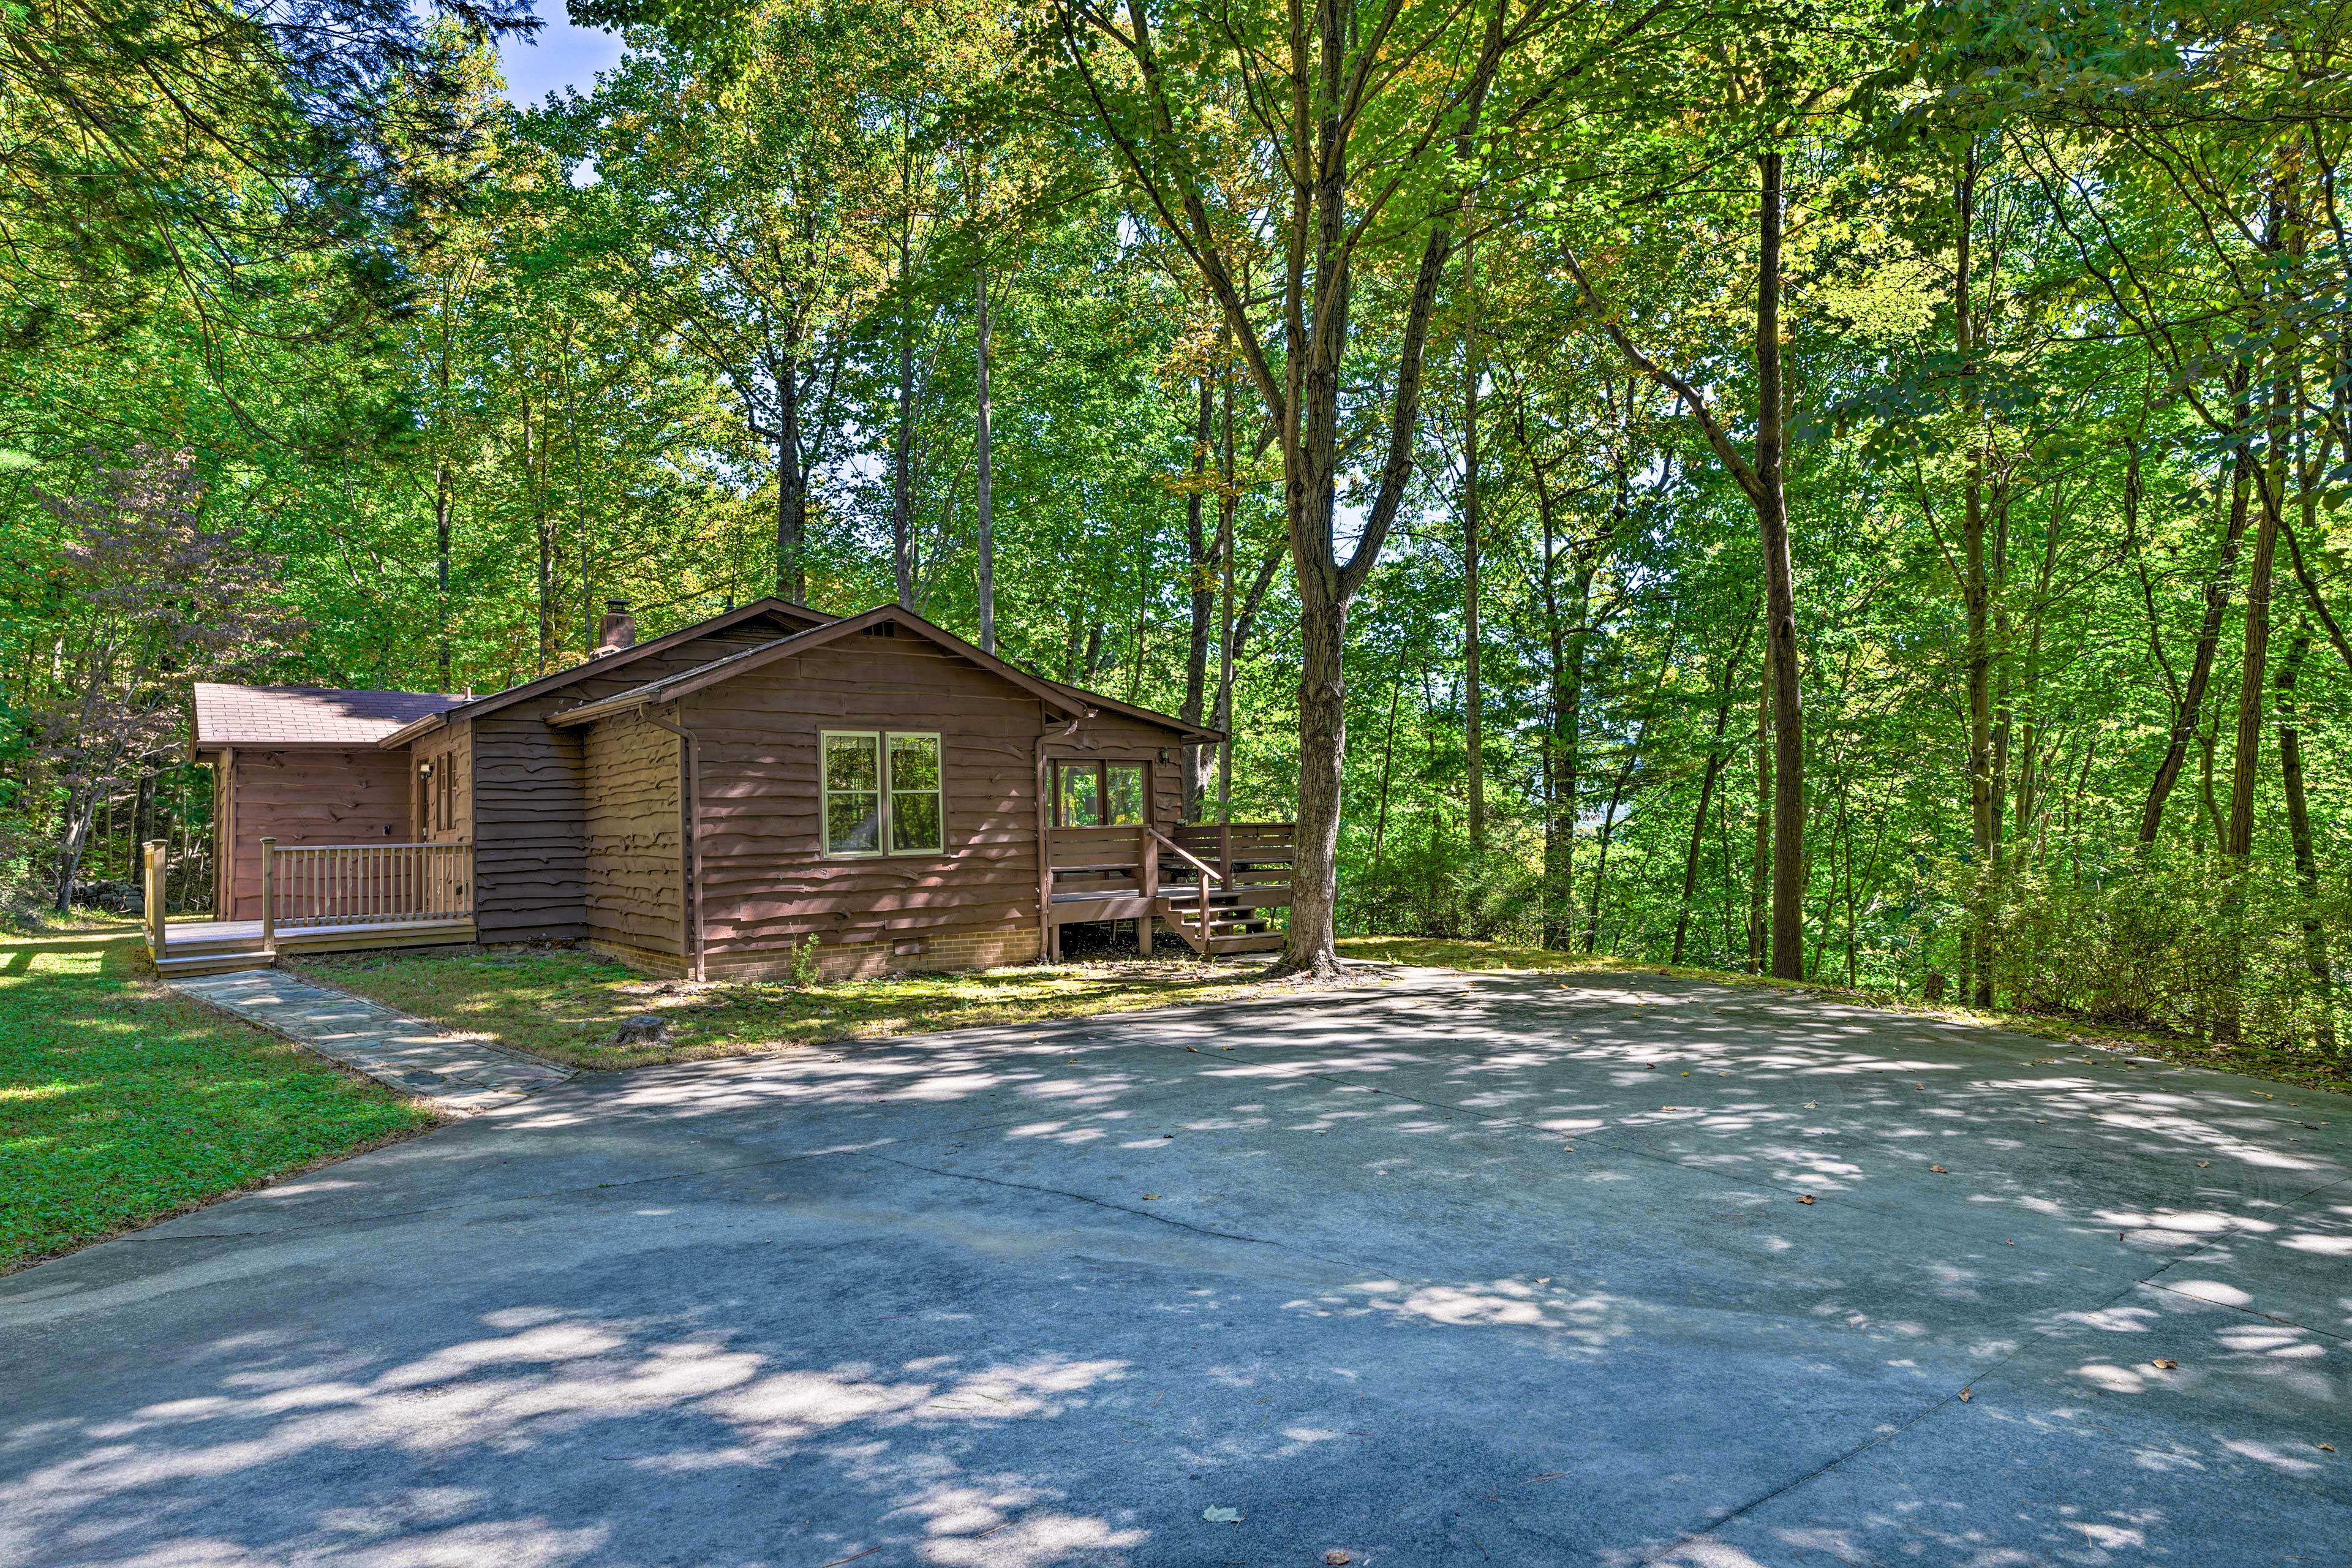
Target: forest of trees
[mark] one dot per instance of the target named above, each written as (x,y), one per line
(1831,491)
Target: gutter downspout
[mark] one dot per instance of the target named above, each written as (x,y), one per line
(689,855)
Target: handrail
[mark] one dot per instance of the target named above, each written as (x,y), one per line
(364,884)
(1185,855)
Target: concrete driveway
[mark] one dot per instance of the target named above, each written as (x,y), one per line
(1448,1270)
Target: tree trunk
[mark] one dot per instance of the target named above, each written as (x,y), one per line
(1322,772)
(1761,878)
(985,325)
(1715,760)
(82,810)
(1474,702)
(1200,580)
(902,459)
(792,489)
(1976,599)
(2190,712)
(2306,861)
(1780,601)
(444,505)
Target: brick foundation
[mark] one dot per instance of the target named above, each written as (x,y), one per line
(668,965)
(870,960)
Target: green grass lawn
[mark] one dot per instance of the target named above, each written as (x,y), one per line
(2306,1067)
(122,1104)
(564,1005)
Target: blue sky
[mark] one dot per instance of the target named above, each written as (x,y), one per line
(560,56)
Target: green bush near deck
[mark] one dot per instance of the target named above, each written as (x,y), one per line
(121,1103)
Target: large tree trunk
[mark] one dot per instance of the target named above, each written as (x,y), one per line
(1322,772)
(983,457)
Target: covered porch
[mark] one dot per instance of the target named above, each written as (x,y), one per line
(322,898)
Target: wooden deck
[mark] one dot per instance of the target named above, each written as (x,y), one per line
(329,898)
(1158,878)
(212,947)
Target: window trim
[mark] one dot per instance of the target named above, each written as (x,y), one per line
(1100,767)
(938,792)
(884,814)
(824,794)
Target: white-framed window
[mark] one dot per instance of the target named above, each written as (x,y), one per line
(881,792)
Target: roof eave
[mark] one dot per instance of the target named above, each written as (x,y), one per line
(413,730)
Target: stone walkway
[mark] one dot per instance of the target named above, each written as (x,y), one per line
(460,1075)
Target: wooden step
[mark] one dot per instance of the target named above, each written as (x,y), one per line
(1264,941)
(177,964)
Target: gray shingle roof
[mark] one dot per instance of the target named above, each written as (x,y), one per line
(306,715)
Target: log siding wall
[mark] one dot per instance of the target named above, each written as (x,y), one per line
(634,879)
(531,796)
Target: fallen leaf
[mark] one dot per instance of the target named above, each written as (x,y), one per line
(1813,1105)
(2329,1448)
(1806,1199)
(1686,1075)
(1151,1197)
(1968,1395)
(1335,1559)
(2165,1364)
(2203,1164)
(1543,1278)
(1221,1515)
(1939,1170)
(1195,1049)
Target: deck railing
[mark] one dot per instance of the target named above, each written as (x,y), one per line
(309,885)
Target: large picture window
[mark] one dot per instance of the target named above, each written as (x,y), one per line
(1097,795)
(881,792)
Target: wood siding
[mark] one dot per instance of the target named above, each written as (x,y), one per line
(323,797)
(531,796)
(766,881)
(634,837)
(451,753)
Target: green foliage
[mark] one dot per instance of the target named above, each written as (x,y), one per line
(607,346)
(119,1105)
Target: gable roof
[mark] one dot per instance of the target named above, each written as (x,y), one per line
(306,715)
(604,664)
(1069,699)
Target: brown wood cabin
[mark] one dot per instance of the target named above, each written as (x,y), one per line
(704,803)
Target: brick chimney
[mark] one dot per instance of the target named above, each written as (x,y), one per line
(618,630)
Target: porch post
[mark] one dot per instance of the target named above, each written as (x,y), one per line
(1148,877)
(270,896)
(153,892)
